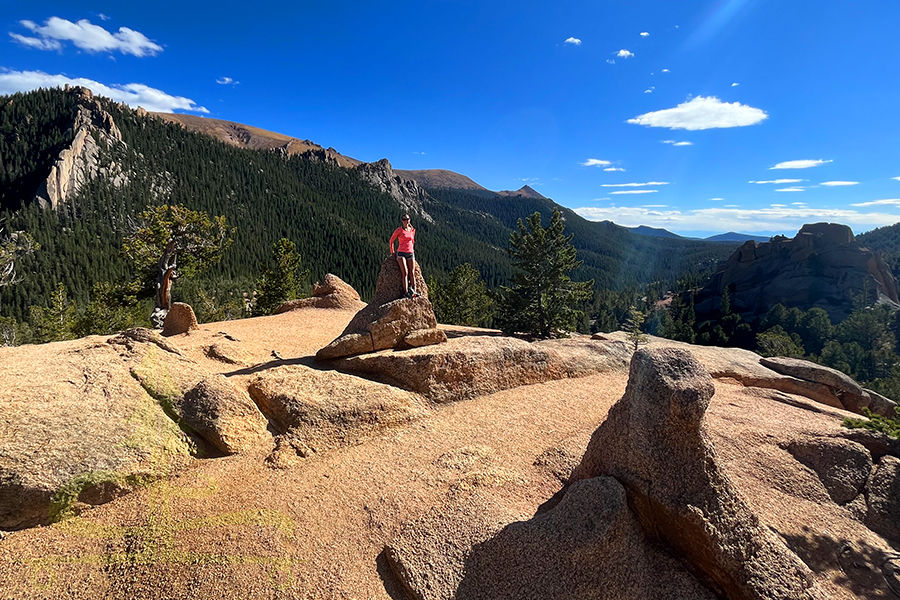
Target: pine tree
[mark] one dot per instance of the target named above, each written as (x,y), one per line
(542,299)
(57,322)
(463,300)
(633,332)
(284,281)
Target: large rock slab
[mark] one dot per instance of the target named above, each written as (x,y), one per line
(77,428)
(654,442)
(389,319)
(883,499)
(320,410)
(589,546)
(224,415)
(843,466)
(471,366)
(332,292)
(810,371)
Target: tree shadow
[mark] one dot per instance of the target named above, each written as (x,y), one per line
(865,570)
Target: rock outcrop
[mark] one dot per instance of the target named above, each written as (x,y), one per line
(179,319)
(223,415)
(471,366)
(849,394)
(655,444)
(332,292)
(317,410)
(389,319)
(405,191)
(822,266)
(78,429)
(81,161)
(589,546)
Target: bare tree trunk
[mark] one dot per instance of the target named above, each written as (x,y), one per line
(167,273)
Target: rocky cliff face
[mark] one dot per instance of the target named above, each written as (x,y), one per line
(81,162)
(821,266)
(406,192)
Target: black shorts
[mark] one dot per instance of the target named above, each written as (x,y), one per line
(406,255)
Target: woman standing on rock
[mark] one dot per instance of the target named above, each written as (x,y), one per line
(406,236)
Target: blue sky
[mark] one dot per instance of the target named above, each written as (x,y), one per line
(700,117)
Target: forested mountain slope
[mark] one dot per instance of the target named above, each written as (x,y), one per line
(339,221)
(885,240)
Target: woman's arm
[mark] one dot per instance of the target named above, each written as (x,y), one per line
(393,237)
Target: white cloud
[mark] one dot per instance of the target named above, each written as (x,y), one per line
(37,43)
(702,113)
(613,169)
(779,181)
(838,183)
(227,81)
(665,70)
(103,17)
(635,184)
(610,61)
(650,91)
(889,201)
(778,205)
(897,178)
(635,192)
(132,94)
(644,34)
(732,217)
(654,206)
(574,41)
(735,84)
(798,203)
(86,36)
(674,143)
(792,189)
(624,54)
(716,199)
(799,164)
(595,162)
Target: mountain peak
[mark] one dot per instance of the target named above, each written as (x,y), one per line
(525,190)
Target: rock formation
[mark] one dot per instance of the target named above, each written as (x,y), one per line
(822,266)
(179,319)
(850,396)
(333,292)
(317,410)
(81,162)
(389,321)
(223,415)
(406,192)
(655,444)
(471,366)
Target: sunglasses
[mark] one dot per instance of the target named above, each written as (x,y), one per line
(404,219)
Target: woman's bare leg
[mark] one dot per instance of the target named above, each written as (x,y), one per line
(411,269)
(402,262)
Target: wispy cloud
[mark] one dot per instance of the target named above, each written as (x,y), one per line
(665,70)
(799,164)
(102,17)
(86,36)
(838,183)
(132,94)
(227,81)
(634,192)
(735,84)
(624,54)
(791,189)
(716,199)
(595,162)
(573,40)
(702,113)
(635,184)
(731,217)
(644,34)
(674,143)
(885,202)
(650,91)
(613,169)
(897,178)
(610,61)
(779,181)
